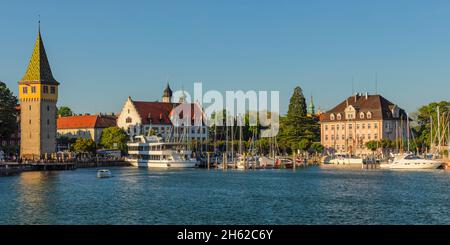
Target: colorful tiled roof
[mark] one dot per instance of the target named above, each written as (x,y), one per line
(39,68)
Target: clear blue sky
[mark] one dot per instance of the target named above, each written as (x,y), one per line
(104,51)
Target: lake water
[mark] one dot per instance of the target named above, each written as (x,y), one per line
(199,196)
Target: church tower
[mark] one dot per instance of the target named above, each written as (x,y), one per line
(167,94)
(38,94)
(311,111)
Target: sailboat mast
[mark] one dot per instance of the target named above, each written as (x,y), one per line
(407,130)
(438,133)
(431,133)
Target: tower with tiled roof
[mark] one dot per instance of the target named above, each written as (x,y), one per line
(38,94)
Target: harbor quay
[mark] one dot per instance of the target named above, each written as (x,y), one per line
(364,131)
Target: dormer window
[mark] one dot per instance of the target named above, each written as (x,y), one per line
(339,116)
(332,117)
(361,115)
(369,115)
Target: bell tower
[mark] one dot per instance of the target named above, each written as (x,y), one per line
(167,94)
(38,94)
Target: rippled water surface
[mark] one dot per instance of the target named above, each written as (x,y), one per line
(198,196)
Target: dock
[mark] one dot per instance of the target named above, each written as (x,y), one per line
(14,168)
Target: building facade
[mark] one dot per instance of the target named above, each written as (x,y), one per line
(361,118)
(84,126)
(38,94)
(146,118)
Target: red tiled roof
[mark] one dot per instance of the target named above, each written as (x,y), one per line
(157,112)
(85,121)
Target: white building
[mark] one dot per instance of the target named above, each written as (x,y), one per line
(146,118)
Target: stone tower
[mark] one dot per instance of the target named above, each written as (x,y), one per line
(38,94)
(167,94)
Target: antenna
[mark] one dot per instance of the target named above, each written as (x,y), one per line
(376,82)
(353,85)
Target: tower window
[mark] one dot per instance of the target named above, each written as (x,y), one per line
(48,121)
(25,90)
(52,90)
(29,121)
(48,108)
(29,107)
(45,89)
(33,89)
(128,120)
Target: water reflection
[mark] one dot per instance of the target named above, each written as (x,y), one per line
(307,196)
(35,199)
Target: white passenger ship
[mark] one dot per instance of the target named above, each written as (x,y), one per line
(153,152)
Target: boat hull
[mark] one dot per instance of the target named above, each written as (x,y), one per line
(412,166)
(346,161)
(163,164)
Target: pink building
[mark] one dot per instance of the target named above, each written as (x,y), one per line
(361,118)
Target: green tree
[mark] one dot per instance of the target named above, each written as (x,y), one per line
(84,145)
(64,111)
(372,145)
(114,138)
(425,118)
(8,112)
(296,126)
(297,104)
(303,145)
(316,148)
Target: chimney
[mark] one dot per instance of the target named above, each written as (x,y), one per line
(367,95)
(356,96)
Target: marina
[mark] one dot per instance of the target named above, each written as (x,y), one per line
(197,196)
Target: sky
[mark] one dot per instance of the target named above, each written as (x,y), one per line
(101,52)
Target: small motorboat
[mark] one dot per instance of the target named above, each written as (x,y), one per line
(104,173)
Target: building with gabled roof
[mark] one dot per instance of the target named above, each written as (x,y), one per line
(361,118)
(84,126)
(146,118)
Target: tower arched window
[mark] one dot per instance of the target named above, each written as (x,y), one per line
(128,120)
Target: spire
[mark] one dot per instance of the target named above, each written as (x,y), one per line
(39,68)
(167,92)
(311,108)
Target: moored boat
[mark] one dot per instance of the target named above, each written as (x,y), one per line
(411,161)
(345,159)
(152,152)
